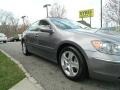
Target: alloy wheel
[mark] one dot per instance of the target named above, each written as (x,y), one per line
(70,63)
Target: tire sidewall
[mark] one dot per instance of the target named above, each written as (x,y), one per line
(80,75)
(26,52)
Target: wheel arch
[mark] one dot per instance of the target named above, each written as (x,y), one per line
(76,46)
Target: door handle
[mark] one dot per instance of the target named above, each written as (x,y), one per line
(36,35)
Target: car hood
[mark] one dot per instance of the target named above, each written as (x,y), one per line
(106,35)
(109,35)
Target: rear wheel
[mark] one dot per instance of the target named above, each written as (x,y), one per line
(24,49)
(72,63)
(4,41)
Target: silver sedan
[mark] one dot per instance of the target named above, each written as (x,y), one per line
(79,52)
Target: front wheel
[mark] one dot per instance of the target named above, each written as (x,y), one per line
(24,49)
(72,64)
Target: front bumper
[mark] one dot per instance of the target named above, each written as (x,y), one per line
(1,40)
(103,66)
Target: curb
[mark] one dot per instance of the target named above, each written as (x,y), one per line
(30,78)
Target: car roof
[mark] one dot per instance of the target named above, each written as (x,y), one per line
(48,19)
(52,18)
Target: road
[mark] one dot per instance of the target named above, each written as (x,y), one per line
(49,75)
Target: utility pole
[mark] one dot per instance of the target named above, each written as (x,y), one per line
(23,18)
(101,12)
(46,6)
(90,21)
(118,26)
(119,11)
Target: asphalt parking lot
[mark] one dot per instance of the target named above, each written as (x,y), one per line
(49,75)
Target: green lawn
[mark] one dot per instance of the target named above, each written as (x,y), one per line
(10,73)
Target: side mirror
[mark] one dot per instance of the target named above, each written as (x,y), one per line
(46,28)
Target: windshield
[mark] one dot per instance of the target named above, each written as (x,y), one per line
(65,23)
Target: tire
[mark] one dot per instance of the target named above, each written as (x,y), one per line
(4,41)
(24,49)
(72,64)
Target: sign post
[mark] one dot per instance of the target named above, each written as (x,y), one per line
(86,13)
(90,21)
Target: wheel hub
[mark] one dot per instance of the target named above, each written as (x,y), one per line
(69,63)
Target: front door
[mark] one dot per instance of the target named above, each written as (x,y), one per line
(45,41)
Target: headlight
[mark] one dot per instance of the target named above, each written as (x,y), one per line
(106,47)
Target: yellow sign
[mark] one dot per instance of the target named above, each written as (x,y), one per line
(86,13)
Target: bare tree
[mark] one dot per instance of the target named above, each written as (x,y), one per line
(5,17)
(8,23)
(57,10)
(24,26)
(111,11)
(14,23)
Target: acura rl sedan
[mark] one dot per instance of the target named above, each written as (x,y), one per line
(79,52)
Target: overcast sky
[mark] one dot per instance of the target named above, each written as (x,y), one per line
(34,8)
